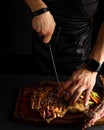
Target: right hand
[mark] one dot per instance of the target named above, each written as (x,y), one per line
(44,24)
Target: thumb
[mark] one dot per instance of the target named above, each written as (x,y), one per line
(47,38)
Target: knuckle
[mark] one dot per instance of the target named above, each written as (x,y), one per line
(78,92)
(43,32)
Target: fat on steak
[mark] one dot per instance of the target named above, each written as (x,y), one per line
(44,100)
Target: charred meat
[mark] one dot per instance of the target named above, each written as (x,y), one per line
(95,114)
(44,100)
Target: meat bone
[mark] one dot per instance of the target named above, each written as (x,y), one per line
(97,113)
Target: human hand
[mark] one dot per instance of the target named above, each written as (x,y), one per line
(44,24)
(82,80)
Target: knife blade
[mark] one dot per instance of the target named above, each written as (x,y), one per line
(54,66)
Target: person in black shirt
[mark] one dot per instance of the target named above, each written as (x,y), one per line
(68,27)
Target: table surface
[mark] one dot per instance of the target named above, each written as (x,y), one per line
(9,88)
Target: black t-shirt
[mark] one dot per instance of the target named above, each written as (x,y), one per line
(73,9)
(76,9)
(71,40)
(79,9)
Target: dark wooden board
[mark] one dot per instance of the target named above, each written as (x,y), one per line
(23,112)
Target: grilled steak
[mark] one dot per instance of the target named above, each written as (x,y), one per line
(44,100)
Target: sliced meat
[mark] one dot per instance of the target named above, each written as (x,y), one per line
(44,100)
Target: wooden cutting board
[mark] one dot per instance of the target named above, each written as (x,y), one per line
(23,112)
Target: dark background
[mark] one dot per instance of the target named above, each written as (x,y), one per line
(16,38)
(16,58)
(17,30)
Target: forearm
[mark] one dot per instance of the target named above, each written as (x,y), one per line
(35,4)
(98,50)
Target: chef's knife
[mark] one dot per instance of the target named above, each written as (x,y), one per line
(53,61)
(54,66)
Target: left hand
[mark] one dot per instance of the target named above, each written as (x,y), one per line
(80,81)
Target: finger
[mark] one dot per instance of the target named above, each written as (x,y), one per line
(64,88)
(71,91)
(76,96)
(47,38)
(87,96)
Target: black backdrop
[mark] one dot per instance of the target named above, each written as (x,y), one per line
(16,38)
(16,28)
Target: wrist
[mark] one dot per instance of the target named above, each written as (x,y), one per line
(92,65)
(40,11)
(35,5)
